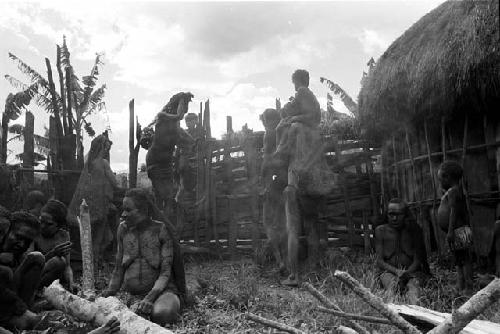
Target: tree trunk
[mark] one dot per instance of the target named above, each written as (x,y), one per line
(5,133)
(63,91)
(100,311)
(29,147)
(87,253)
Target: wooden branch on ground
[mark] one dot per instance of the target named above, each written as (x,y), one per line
(100,311)
(273,324)
(375,302)
(344,330)
(470,309)
(329,304)
(430,319)
(354,316)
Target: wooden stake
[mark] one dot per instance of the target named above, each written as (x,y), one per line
(331,305)
(464,179)
(434,189)
(396,172)
(274,324)
(366,234)
(69,91)
(355,316)
(375,302)
(29,147)
(55,106)
(470,310)
(425,226)
(132,151)
(88,287)
(443,137)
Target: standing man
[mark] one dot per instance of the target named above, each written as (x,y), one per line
(401,254)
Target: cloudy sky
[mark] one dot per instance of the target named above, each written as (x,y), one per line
(240,55)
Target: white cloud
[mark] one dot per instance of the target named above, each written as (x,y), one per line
(373,42)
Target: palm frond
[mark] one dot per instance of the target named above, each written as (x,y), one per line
(90,81)
(337,90)
(29,71)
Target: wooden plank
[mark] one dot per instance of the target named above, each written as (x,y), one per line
(435,318)
(396,171)
(232,231)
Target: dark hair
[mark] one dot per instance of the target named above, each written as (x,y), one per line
(269,115)
(58,211)
(191,115)
(452,169)
(143,201)
(24,217)
(96,147)
(301,76)
(4,213)
(33,198)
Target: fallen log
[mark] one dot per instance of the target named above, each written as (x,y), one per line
(100,311)
(376,303)
(331,305)
(273,324)
(470,309)
(414,313)
(351,316)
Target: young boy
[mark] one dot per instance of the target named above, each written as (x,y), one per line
(454,221)
(34,202)
(54,243)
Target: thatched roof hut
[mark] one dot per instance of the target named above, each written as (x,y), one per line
(432,96)
(444,63)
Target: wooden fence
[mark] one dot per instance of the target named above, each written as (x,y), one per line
(226,208)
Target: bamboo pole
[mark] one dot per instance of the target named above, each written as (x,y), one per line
(443,137)
(396,172)
(352,316)
(418,197)
(464,179)
(375,302)
(434,189)
(331,305)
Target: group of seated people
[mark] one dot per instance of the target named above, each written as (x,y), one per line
(35,249)
(401,254)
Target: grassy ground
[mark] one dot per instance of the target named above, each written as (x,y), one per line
(229,289)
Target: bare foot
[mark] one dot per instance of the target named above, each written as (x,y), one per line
(292,282)
(112,326)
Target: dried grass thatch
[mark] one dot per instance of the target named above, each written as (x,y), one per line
(445,63)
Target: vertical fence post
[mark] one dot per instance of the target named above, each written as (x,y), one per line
(29,148)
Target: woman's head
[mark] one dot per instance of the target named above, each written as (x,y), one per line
(100,145)
(449,173)
(53,217)
(137,206)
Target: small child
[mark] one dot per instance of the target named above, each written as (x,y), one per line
(54,243)
(34,202)
(453,219)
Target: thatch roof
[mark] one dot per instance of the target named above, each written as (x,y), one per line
(449,58)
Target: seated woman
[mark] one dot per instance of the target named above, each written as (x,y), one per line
(20,272)
(148,260)
(54,243)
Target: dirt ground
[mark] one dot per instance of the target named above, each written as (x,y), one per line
(226,289)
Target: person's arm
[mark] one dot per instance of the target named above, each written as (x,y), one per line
(167,256)
(379,249)
(452,200)
(117,277)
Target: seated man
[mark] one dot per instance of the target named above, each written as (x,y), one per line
(304,108)
(54,243)
(34,202)
(146,261)
(401,254)
(20,272)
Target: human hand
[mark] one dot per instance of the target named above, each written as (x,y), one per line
(145,307)
(61,249)
(107,293)
(112,326)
